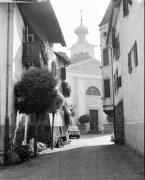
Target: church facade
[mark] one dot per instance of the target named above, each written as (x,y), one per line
(85,78)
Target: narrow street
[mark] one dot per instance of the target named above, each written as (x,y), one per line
(89,158)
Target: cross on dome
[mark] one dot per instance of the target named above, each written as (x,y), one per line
(81,31)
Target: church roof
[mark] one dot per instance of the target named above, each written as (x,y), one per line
(107,15)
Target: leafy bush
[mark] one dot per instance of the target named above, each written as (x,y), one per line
(84,119)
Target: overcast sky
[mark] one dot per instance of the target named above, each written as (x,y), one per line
(68,15)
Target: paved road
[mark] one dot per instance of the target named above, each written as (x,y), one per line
(89,158)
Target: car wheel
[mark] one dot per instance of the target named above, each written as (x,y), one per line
(78,136)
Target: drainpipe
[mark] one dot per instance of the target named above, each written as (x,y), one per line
(6,133)
(113,99)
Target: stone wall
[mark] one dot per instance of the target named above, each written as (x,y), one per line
(119,123)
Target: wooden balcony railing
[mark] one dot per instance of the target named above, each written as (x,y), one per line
(32,49)
(33,54)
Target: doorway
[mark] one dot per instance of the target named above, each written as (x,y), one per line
(94,121)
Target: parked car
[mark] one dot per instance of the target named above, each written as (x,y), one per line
(73,131)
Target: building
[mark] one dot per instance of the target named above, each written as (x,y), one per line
(84,76)
(27,39)
(107,95)
(125,41)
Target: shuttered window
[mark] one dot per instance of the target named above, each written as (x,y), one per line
(119,84)
(106,88)
(54,69)
(105,57)
(135,54)
(129,62)
(132,57)
(126,4)
(63,73)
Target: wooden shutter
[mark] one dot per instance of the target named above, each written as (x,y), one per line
(129,62)
(135,54)
(119,82)
(125,8)
(105,57)
(63,73)
(54,68)
(106,88)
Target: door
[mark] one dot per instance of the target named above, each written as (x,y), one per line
(94,121)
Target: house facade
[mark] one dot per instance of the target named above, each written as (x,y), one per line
(125,39)
(27,40)
(85,78)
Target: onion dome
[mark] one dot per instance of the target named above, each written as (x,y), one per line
(82,30)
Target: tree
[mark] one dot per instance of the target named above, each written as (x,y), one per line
(84,119)
(35,93)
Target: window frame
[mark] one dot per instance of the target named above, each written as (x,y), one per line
(105,61)
(93,91)
(129,63)
(106,96)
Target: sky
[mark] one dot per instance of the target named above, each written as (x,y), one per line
(68,15)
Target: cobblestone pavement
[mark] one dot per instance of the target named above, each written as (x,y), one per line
(89,158)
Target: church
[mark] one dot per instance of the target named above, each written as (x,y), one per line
(85,78)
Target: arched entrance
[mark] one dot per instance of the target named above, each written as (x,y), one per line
(94,121)
(93,92)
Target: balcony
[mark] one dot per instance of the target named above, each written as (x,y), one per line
(108,106)
(34,54)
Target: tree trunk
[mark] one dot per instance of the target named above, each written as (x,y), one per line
(26,129)
(36,134)
(53,115)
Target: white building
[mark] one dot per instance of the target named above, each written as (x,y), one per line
(20,47)
(85,78)
(126,40)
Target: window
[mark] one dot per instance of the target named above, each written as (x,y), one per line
(117,81)
(119,84)
(105,57)
(132,57)
(54,68)
(126,4)
(106,88)
(134,54)
(129,62)
(63,73)
(104,35)
(117,48)
(93,91)
(30,37)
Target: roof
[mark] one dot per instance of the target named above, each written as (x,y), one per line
(62,56)
(41,17)
(107,15)
(115,5)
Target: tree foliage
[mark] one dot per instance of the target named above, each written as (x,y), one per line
(66,90)
(84,119)
(36,92)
